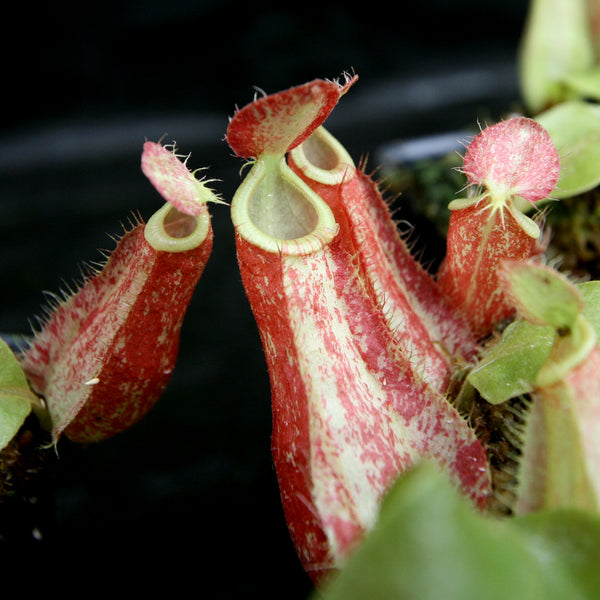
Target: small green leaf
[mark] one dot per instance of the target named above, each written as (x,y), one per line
(542,295)
(511,366)
(550,304)
(568,352)
(15,396)
(430,544)
(575,130)
(509,369)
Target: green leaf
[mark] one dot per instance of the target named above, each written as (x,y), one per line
(545,298)
(430,544)
(566,544)
(509,369)
(575,130)
(15,396)
(542,295)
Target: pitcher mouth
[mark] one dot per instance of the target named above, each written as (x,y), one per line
(170,230)
(322,158)
(276,211)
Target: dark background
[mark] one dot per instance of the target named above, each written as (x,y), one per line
(189,497)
